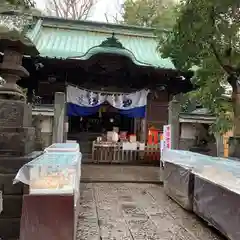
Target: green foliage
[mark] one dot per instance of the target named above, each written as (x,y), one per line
(150,13)
(18,6)
(24,3)
(206,35)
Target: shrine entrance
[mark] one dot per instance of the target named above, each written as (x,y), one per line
(95,115)
(104,120)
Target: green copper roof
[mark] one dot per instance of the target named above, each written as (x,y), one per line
(59,38)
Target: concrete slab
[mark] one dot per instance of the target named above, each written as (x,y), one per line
(132,211)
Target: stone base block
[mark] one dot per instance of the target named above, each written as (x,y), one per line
(15,114)
(9,228)
(12,206)
(234,147)
(47,139)
(11,164)
(16,141)
(185,144)
(12,195)
(7,187)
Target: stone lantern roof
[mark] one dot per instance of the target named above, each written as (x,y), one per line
(13,39)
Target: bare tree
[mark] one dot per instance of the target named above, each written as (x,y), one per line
(115,15)
(70,9)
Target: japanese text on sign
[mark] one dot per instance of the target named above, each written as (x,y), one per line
(167,136)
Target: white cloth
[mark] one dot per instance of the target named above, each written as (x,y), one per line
(121,101)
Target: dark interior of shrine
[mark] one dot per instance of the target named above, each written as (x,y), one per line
(103,121)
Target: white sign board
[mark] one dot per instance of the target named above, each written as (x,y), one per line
(167,141)
(162,144)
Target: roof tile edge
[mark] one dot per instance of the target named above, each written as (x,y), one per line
(98,26)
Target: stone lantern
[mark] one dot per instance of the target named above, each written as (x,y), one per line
(16,132)
(14,46)
(14,112)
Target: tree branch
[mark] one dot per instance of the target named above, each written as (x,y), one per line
(217,56)
(74,9)
(214,50)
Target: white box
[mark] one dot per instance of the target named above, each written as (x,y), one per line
(133,138)
(128,146)
(141,146)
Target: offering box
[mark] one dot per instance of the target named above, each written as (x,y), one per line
(52,173)
(53,180)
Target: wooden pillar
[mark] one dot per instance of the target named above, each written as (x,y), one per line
(59,118)
(143,130)
(135,129)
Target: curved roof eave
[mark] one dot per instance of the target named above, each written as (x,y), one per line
(110,50)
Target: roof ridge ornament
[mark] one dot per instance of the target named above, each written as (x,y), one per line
(112,42)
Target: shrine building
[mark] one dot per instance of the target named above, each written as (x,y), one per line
(115,74)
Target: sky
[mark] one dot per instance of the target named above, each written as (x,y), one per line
(103,7)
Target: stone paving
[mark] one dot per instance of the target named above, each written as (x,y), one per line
(119,173)
(133,211)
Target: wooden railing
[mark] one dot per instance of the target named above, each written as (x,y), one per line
(115,153)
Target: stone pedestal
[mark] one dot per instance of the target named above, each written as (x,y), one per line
(16,133)
(220,145)
(59,117)
(16,143)
(173,119)
(234,147)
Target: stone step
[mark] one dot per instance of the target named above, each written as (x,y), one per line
(84,136)
(84,143)
(87,158)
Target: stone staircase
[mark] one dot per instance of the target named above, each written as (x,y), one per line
(85,140)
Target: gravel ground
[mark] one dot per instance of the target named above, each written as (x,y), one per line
(134,211)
